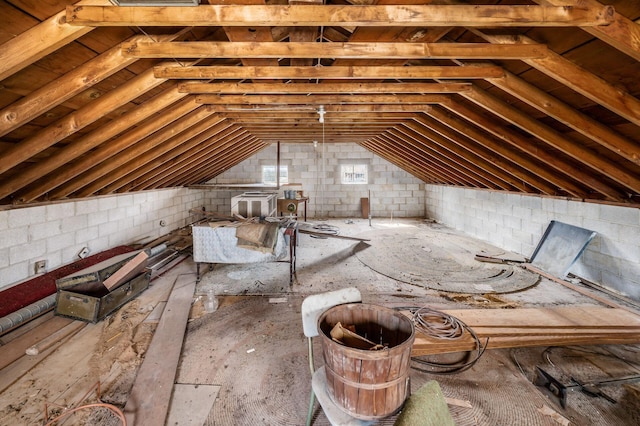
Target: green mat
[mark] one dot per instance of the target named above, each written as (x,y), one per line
(426,407)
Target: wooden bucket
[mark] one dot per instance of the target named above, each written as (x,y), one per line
(367,384)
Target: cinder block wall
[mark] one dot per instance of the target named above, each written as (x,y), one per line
(517,222)
(57,232)
(394,192)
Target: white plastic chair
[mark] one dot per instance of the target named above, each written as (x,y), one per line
(312,308)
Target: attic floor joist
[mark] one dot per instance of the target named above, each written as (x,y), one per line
(538,97)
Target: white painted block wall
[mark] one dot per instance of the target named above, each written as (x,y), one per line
(517,222)
(58,232)
(394,192)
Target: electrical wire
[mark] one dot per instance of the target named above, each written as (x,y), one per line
(442,326)
(118,412)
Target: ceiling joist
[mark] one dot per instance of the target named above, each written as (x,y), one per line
(309,88)
(349,50)
(347,16)
(332,72)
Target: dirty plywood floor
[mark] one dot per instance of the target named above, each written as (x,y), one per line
(246,363)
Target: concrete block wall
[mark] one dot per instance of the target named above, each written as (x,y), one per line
(517,222)
(57,232)
(394,192)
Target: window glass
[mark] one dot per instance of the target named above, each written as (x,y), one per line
(353,173)
(269,175)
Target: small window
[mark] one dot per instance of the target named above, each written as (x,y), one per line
(353,174)
(269,175)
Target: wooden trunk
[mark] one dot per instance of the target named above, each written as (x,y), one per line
(368,384)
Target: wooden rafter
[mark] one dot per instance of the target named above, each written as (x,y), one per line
(621,33)
(347,16)
(582,81)
(165,112)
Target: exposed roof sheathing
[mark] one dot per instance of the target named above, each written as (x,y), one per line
(535,97)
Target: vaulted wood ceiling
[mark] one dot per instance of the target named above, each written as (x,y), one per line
(535,97)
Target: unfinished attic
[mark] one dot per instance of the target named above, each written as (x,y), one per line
(320,212)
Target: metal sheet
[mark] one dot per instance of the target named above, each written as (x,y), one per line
(560,247)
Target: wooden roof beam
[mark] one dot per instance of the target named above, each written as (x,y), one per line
(274,101)
(79,119)
(421,151)
(171,163)
(332,72)
(577,78)
(473,166)
(410,159)
(322,88)
(568,115)
(223,159)
(599,164)
(243,110)
(109,164)
(621,33)
(37,42)
(355,50)
(346,16)
(385,150)
(518,141)
(202,125)
(504,168)
(527,169)
(59,175)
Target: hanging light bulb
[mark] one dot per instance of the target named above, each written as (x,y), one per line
(321,111)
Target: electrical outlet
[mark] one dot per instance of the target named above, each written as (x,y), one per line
(84,252)
(41,266)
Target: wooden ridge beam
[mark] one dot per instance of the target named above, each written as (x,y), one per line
(332,72)
(577,78)
(322,88)
(339,15)
(273,101)
(353,50)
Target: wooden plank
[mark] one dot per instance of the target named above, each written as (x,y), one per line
(321,99)
(621,33)
(356,50)
(37,42)
(148,402)
(348,16)
(16,348)
(308,88)
(128,271)
(332,72)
